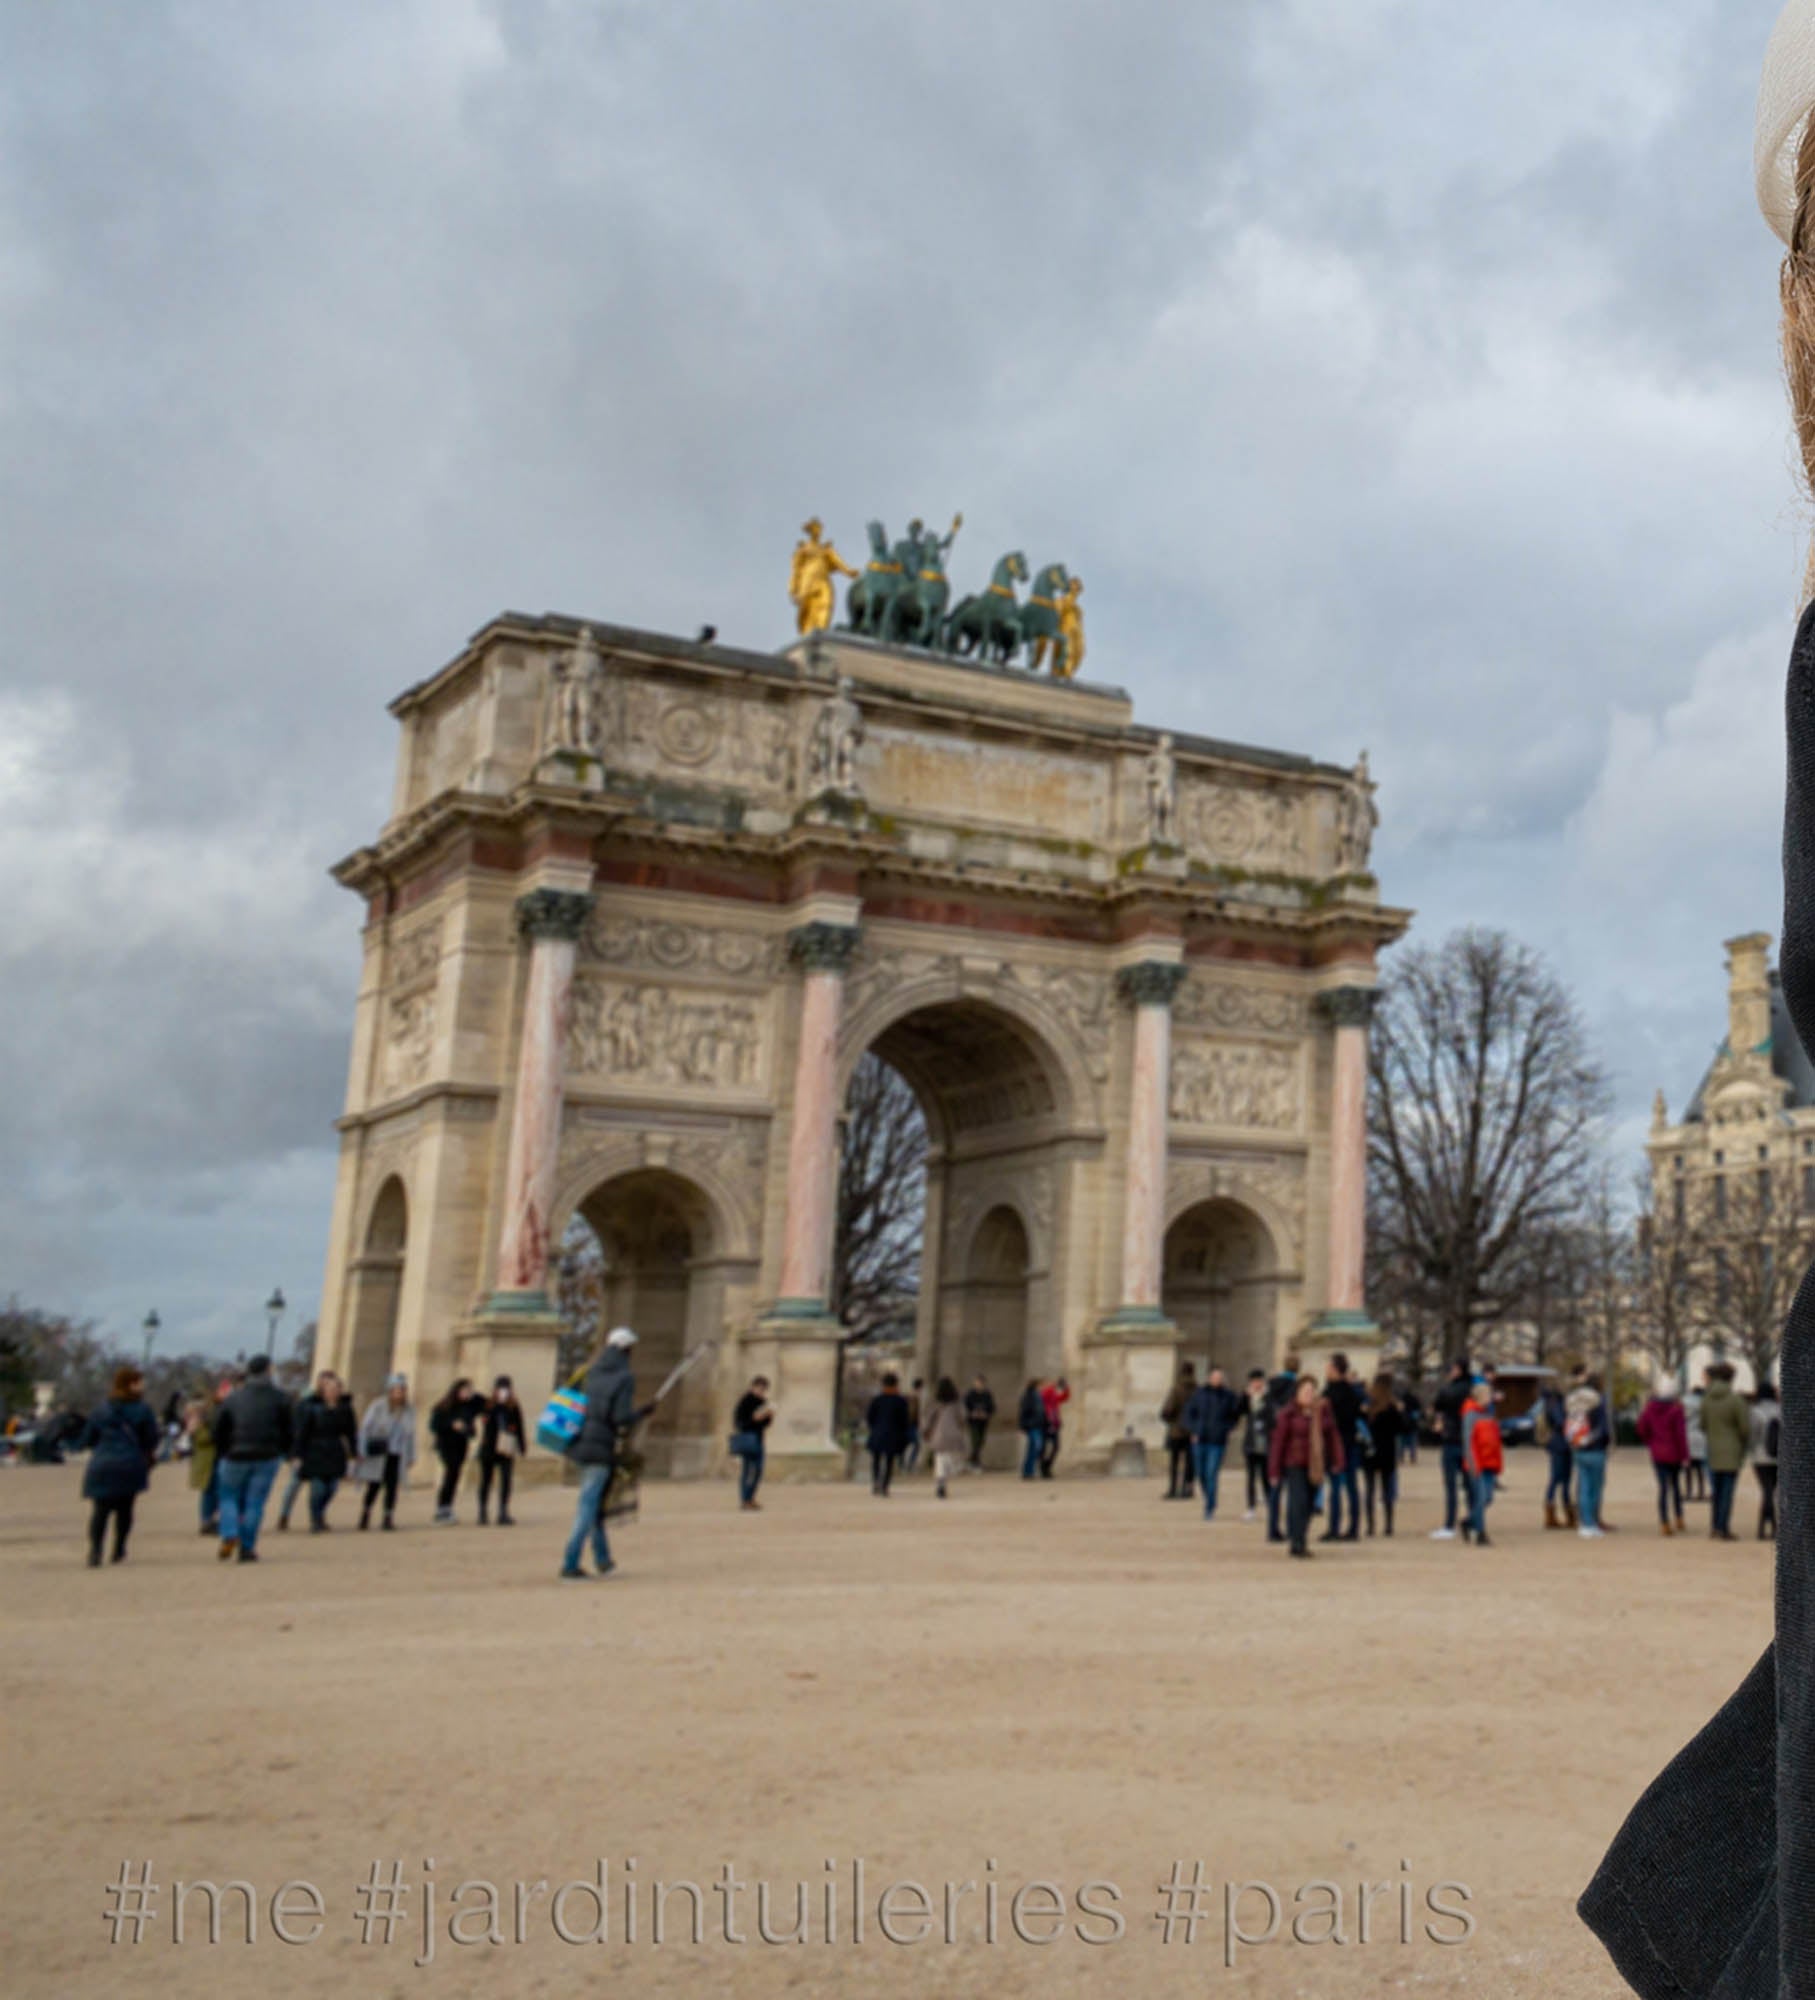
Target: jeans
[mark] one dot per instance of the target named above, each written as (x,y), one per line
(1298,1505)
(1030,1458)
(1276,1494)
(1669,1492)
(1453,1477)
(1591,1481)
(911,1457)
(589,1519)
(1481,1488)
(750,1469)
(979,1430)
(392,1473)
(453,1463)
(1209,1464)
(1345,1481)
(1385,1479)
(1181,1455)
(1725,1485)
(882,1470)
(1049,1452)
(211,1498)
(1562,1463)
(246,1485)
(321,1491)
(502,1470)
(1260,1488)
(292,1487)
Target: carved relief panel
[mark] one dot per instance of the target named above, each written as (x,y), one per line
(407,1035)
(674,1037)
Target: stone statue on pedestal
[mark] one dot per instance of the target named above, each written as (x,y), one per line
(1162,795)
(832,758)
(1356,818)
(574,698)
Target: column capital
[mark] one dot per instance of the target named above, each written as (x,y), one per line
(822,947)
(554,913)
(1152,983)
(1347,1006)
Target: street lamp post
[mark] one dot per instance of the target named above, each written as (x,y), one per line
(274,1311)
(150,1330)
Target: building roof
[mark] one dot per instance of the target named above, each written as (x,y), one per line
(1789,1059)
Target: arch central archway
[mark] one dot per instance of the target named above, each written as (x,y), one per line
(377,1275)
(998,1103)
(1220,1286)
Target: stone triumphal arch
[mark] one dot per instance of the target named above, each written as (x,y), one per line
(640,908)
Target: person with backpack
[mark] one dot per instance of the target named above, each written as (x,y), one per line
(890,1424)
(1484,1457)
(1664,1432)
(1030,1419)
(1724,1422)
(1179,1453)
(1766,1424)
(1589,1428)
(1257,1435)
(611,1415)
(1551,1431)
(1209,1417)
(1386,1423)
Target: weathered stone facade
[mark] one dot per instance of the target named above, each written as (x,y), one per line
(642,905)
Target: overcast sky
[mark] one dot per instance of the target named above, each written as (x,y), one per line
(1398,373)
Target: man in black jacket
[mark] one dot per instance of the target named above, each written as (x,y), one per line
(1446,1407)
(1344,1400)
(979,1408)
(252,1437)
(611,1414)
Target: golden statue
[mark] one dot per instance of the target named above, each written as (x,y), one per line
(1071,629)
(816,562)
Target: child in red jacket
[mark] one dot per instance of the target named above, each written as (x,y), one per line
(1483,1459)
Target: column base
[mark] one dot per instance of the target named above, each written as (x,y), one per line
(1347,1331)
(524,1345)
(1130,1361)
(795,1344)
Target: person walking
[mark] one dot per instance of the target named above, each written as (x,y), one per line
(1179,1446)
(1387,1422)
(326,1438)
(452,1423)
(1664,1432)
(1447,1406)
(1724,1424)
(1483,1456)
(1344,1400)
(1054,1395)
(1210,1416)
(204,1460)
(979,1410)
(1413,1406)
(1590,1433)
(502,1442)
(750,1423)
(298,1477)
(1030,1420)
(1765,1424)
(611,1415)
(910,1455)
(1306,1448)
(121,1439)
(890,1425)
(253,1434)
(1257,1434)
(1552,1431)
(1696,1484)
(387,1448)
(945,1437)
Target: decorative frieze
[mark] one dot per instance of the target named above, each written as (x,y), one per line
(1244,1086)
(659,1035)
(1206,1002)
(614,939)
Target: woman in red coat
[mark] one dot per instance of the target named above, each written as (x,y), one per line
(1664,1432)
(1306,1449)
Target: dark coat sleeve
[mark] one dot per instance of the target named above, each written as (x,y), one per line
(1688,1899)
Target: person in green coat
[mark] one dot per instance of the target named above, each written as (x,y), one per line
(1726,1420)
(204,1475)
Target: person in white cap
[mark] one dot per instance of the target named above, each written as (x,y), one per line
(611,1414)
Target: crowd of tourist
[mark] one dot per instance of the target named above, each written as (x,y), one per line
(1307,1449)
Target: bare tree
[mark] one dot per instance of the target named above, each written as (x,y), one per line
(881,1199)
(1485,1111)
(1670,1250)
(1751,1238)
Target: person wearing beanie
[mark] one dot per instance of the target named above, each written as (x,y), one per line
(611,1415)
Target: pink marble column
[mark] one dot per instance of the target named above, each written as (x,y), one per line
(1150,986)
(823,951)
(1349,1007)
(552,920)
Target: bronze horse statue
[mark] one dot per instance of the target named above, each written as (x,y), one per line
(988,625)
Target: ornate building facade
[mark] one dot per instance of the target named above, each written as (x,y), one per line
(641,906)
